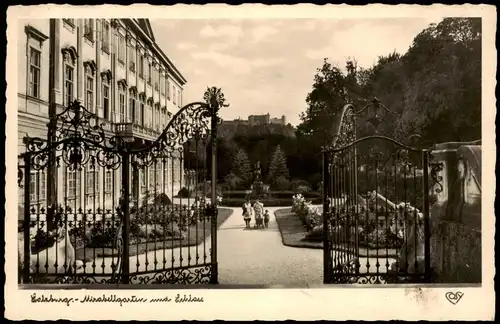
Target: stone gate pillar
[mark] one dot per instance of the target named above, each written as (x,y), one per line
(455,217)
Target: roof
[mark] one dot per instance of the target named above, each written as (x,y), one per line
(144,26)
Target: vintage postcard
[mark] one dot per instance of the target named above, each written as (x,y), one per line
(250,162)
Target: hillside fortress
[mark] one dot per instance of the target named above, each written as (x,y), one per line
(254,120)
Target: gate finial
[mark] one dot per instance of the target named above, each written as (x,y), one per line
(215,98)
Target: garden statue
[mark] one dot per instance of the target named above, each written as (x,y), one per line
(257,185)
(257,172)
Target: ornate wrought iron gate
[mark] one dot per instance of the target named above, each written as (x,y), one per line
(375,210)
(100,201)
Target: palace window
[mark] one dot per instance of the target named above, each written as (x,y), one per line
(105,99)
(151,126)
(69,82)
(89,89)
(151,177)
(132,56)
(168,89)
(88,29)
(38,185)
(150,73)
(132,117)
(174,100)
(143,180)
(105,36)
(162,85)
(92,186)
(108,188)
(141,66)
(71,184)
(156,80)
(141,117)
(121,48)
(157,118)
(34,73)
(179,98)
(121,101)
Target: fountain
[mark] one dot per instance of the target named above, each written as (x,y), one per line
(258,189)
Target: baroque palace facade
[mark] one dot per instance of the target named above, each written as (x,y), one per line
(118,72)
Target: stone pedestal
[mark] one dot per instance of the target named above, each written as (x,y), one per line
(456,215)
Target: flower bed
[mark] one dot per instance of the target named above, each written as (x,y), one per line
(306,212)
(190,236)
(96,232)
(380,229)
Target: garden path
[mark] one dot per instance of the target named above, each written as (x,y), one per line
(258,256)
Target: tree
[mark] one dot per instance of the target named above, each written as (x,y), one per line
(443,67)
(332,89)
(277,167)
(434,89)
(241,166)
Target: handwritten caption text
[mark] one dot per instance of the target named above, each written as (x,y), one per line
(113,298)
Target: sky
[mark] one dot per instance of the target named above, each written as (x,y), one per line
(268,65)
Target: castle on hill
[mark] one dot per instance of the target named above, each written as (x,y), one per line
(254,120)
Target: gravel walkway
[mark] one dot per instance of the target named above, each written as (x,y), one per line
(258,256)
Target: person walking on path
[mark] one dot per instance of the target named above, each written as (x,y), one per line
(266,219)
(247,213)
(258,208)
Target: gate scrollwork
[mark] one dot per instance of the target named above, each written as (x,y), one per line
(93,212)
(437,178)
(193,121)
(78,136)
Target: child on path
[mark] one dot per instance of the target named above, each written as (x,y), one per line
(266,218)
(258,208)
(247,213)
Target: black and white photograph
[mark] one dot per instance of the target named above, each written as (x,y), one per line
(249,152)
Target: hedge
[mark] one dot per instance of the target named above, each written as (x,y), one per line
(272,194)
(279,202)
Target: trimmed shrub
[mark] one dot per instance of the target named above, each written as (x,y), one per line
(282,183)
(286,194)
(278,202)
(184,192)
(233,181)
(297,183)
(303,189)
(162,199)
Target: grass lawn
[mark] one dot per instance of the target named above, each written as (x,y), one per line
(135,249)
(293,231)
(293,234)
